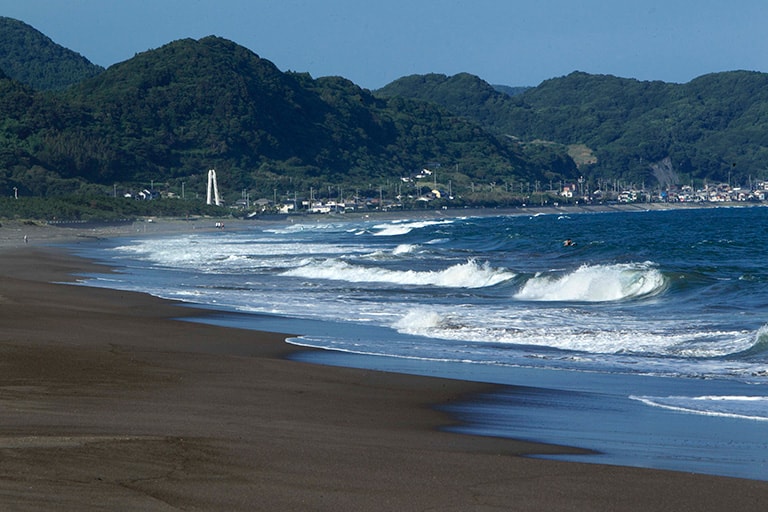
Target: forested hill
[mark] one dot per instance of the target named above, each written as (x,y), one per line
(712,128)
(191,105)
(511,90)
(464,94)
(32,58)
(167,115)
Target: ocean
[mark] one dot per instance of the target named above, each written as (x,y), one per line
(645,340)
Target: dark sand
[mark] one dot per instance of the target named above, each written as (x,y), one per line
(109,402)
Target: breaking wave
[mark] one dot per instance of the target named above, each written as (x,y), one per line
(403,228)
(464,275)
(742,407)
(595,283)
(404,249)
(592,334)
(760,346)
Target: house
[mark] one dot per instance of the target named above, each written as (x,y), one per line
(568,190)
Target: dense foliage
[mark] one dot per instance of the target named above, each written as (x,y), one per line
(463,94)
(30,57)
(166,116)
(713,128)
(163,118)
(510,90)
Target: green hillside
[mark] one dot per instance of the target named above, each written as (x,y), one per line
(712,128)
(463,94)
(32,58)
(168,115)
(510,90)
(191,105)
(163,118)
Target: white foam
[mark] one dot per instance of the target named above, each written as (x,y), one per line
(307,227)
(741,407)
(464,275)
(402,228)
(579,329)
(557,315)
(595,283)
(207,255)
(419,321)
(404,249)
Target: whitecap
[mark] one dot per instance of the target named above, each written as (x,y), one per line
(402,228)
(404,249)
(595,283)
(419,321)
(463,275)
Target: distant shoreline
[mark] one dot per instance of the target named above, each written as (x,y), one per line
(523,210)
(16,233)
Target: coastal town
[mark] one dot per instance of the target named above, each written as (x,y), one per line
(422,191)
(569,194)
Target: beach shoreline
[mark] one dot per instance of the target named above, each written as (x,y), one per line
(17,233)
(111,402)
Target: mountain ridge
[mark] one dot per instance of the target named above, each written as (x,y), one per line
(710,128)
(168,114)
(31,57)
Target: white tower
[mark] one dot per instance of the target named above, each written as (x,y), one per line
(212,186)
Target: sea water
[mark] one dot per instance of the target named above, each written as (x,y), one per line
(645,341)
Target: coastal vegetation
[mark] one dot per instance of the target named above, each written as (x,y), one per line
(151,127)
(641,134)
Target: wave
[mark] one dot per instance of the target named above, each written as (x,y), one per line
(403,228)
(404,249)
(420,321)
(760,346)
(464,275)
(306,227)
(742,407)
(229,254)
(561,330)
(595,283)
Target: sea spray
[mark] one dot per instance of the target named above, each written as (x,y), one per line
(595,283)
(419,322)
(463,275)
(404,249)
(403,228)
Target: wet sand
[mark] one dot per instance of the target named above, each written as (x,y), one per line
(109,401)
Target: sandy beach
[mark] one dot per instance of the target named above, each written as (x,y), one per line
(110,401)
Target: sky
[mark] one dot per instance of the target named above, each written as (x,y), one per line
(372,43)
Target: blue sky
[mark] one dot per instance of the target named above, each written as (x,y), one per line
(506,42)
